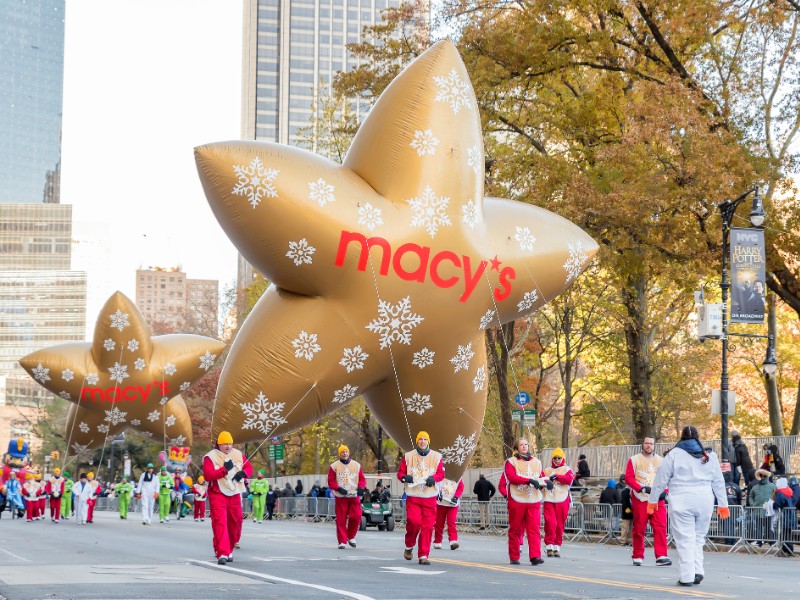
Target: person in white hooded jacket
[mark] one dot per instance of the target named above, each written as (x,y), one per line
(148,492)
(693,477)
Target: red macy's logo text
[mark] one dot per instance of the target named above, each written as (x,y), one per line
(128,394)
(423,254)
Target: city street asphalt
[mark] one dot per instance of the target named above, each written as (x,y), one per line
(124,560)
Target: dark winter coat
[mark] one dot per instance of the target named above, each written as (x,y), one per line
(484,490)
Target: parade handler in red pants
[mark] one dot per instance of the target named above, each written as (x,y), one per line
(347,481)
(525,482)
(447,512)
(556,502)
(225,469)
(639,475)
(419,470)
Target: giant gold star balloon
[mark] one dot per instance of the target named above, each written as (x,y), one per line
(385,270)
(124,378)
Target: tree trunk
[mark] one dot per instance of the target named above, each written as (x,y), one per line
(637,341)
(566,376)
(771,381)
(498,343)
(796,420)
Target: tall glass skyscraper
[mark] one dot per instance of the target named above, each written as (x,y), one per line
(31,91)
(292,49)
(42,301)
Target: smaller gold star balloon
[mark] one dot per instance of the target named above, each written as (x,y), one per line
(386,270)
(124,377)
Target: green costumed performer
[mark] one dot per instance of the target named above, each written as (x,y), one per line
(66,499)
(166,483)
(123,490)
(259,488)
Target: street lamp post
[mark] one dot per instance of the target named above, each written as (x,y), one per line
(728,209)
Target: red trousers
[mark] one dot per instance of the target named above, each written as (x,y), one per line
(199,509)
(555,516)
(31,509)
(90,511)
(420,519)
(446,514)
(348,518)
(658,521)
(55,508)
(226,522)
(524,517)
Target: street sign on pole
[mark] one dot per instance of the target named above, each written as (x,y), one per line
(522,398)
(530,415)
(276,452)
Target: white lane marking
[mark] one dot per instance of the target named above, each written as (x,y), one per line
(323,588)
(17,556)
(307,559)
(746,577)
(406,570)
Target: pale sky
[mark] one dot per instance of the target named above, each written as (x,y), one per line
(145,81)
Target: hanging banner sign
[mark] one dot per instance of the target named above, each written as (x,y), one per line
(748,275)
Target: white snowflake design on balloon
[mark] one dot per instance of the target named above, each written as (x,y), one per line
(577,258)
(92,379)
(348,392)
(119,320)
(133,345)
(40,373)
(528,300)
(65,395)
(453,90)
(136,422)
(305,345)
(460,450)
(103,428)
(461,360)
(418,403)
(185,386)
(169,369)
(395,322)
(424,142)
(163,401)
(207,360)
(139,364)
(170,421)
(154,416)
(524,238)
(255,182)
(430,211)
(301,252)
(262,414)
(321,191)
(353,358)
(479,382)
(369,216)
(469,214)
(119,373)
(67,375)
(84,427)
(79,448)
(115,416)
(423,358)
(475,158)
(178,441)
(109,344)
(487,319)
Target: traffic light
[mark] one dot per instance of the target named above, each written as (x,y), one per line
(54,455)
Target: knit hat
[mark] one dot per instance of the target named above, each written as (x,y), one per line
(558,453)
(90,475)
(612,483)
(201,479)
(782,483)
(261,472)
(793,481)
(37,476)
(763,473)
(56,471)
(188,480)
(28,475)
(341,449)
(225,438)
(66,473)
(422,434)
(163,469)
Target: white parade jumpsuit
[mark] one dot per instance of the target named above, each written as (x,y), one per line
(692,486)
(82,493)
(147,490)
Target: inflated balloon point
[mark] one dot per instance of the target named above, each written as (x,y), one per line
(124,378)
(385,270)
